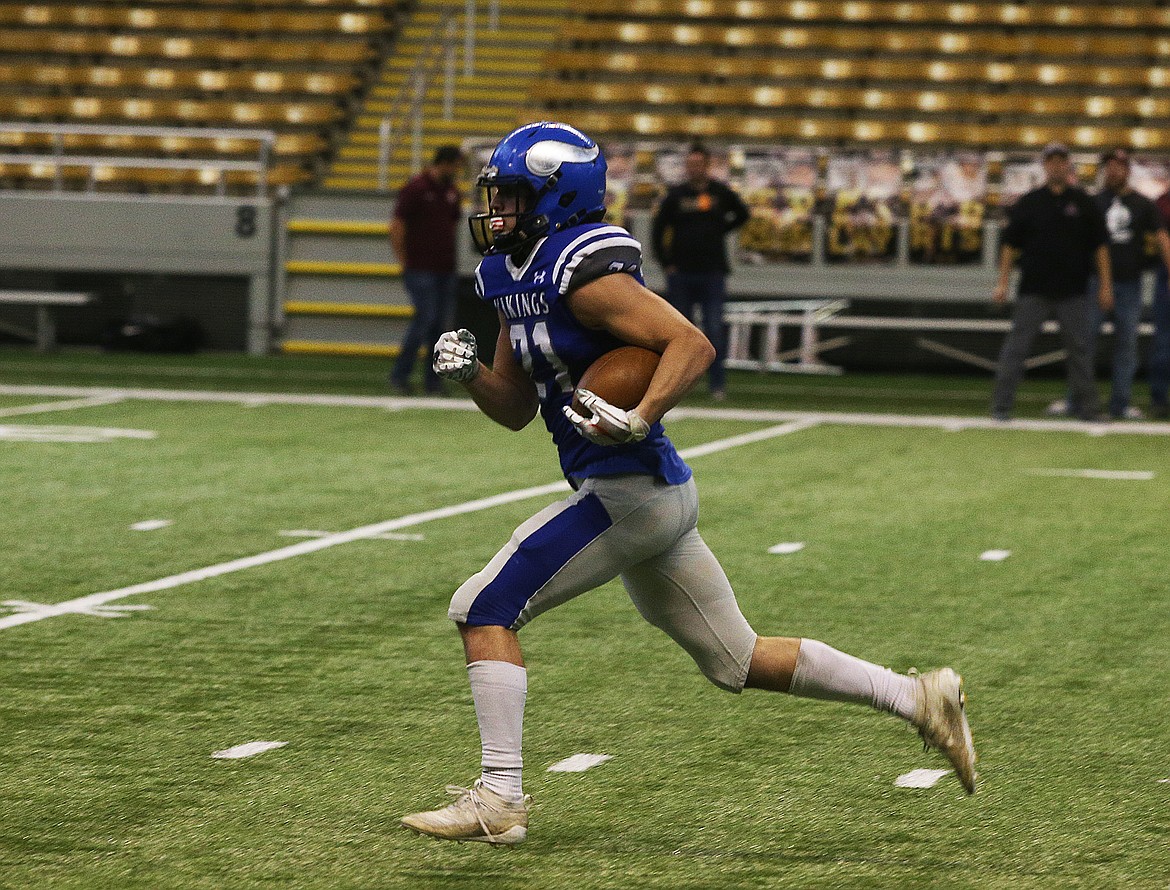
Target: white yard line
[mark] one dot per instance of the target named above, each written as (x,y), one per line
(317,533)
(392,403)
(251,399)
(67,405)
(87,603)
(792,426)
(282,375)
(311,546)
(1116,475)
(788,422)
(84,434)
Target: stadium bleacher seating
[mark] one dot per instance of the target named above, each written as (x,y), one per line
(290,67)
(1125,15)
(988,75)
(577,63)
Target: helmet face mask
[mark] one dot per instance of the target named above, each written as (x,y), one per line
(541,178)
(503,226)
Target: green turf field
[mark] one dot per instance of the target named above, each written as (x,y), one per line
(346,654)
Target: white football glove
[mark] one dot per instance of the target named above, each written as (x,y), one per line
(608,425)
(456,357)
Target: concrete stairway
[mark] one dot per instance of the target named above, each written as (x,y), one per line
(343,295)
(487,104)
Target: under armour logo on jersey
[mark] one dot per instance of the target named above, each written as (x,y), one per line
(538,277)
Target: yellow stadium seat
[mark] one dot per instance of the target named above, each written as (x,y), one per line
(111,16)
(265,64)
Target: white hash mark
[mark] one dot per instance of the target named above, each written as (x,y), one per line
(920,778)
(150,525)
(248,749)
(578,763)
(787,547)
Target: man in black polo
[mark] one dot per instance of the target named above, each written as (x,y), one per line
(1133,221)
(1058,234)
(688,235)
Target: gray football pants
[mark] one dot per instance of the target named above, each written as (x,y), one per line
(1075,316)
(636,527)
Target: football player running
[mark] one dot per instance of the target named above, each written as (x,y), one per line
(568,288)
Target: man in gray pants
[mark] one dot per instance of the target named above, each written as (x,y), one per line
(1058,234)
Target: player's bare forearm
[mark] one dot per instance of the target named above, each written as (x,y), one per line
(501,400)
(620,305)
(504,392)
(684,360)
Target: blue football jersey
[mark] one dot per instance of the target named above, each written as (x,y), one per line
(555,349)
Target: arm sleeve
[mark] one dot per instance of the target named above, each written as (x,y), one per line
(737,213)
(622,258)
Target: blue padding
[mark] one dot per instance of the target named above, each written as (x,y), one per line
(538,558)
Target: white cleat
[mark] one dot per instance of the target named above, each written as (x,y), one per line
(478,814)
(942,721)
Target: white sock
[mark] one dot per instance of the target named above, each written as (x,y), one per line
(499,689)
(825,673)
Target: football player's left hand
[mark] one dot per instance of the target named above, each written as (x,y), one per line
(608,424)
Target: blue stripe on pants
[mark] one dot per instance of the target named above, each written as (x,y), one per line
(536,560)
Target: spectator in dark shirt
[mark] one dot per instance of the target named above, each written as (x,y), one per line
(422,233)
(1058,235)
(1160,351)
(688,234)
(1131,219)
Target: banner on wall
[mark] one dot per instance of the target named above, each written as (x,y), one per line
(947,207)
(863,196)
(779,186)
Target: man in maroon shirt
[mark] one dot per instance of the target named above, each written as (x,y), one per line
(422,233)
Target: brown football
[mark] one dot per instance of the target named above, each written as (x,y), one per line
(621,376)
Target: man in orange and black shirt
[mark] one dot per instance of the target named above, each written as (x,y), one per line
(688,236)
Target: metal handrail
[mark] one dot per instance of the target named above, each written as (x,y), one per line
(59,159)
(268,136)
(415,88)
(139,163)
